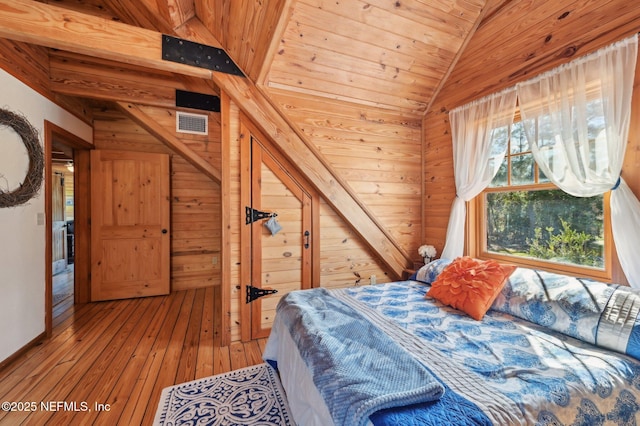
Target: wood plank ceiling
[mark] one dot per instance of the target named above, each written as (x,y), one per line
(389,54)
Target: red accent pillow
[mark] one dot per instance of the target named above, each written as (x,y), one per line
(470,285)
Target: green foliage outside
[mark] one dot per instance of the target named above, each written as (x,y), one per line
(567,245)
(547,224)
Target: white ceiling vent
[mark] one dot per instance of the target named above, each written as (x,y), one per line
(192,123)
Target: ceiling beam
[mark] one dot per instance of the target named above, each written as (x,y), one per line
(51,26)
(156,129)
(46,25)
(78,75)
(82,76)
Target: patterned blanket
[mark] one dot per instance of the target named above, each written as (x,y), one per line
(514,371)
(356,367)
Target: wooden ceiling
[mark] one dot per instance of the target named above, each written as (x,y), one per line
(390,54)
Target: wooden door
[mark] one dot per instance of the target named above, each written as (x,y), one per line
(280,261)
(58,225)
(130,239)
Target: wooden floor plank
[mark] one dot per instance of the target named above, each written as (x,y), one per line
(62,291)
(221,360)
(189,356)
(141,395)
(253,353)
(33,358)
(132,376)
(121,354)
(41,359)
(171,361)
(50,384)
(237,355)
(204,366)
(88,371)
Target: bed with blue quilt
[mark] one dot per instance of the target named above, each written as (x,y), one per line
(552,350)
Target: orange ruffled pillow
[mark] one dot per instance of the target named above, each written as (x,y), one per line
(470,285)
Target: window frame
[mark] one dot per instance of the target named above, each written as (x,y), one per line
(477,230)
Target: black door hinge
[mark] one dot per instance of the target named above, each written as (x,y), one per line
(254,293)
(252,215)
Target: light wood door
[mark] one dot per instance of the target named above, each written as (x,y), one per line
(281,261)
(130,239)
(58,225)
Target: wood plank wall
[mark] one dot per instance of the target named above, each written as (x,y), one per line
(377,152)
(195,199)
(344,260)
(562,31)
(232,220)
(68,188)
(30,64)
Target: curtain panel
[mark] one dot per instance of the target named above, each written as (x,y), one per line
(576,119)
(480,132)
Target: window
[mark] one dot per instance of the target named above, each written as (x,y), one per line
(525,219)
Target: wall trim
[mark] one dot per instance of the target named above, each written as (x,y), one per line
(23,350)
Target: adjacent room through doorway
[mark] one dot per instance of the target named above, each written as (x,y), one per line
(62,229)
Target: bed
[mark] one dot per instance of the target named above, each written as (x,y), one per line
(550,350)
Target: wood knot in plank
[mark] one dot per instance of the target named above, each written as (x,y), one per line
(569,51)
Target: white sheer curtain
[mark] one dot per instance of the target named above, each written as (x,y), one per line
(480,133)
(576,118)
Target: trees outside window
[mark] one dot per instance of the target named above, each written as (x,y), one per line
(526,219)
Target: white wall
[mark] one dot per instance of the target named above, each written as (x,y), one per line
(22,239)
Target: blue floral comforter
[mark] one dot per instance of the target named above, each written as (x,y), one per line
(502,370)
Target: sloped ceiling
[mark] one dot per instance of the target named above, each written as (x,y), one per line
(392,54)
(389,54)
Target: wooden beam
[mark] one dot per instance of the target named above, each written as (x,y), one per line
(74,74)
(283,19)
(52,26)
(157,130)
(79,75)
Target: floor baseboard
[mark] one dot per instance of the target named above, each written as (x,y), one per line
(22,350)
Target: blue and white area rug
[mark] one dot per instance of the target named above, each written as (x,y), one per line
(249,396)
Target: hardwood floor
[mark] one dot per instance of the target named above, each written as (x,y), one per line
(62,291)
(121,355)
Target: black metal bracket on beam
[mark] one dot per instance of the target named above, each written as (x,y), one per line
(198,55)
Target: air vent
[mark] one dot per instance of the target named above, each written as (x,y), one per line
(197,124)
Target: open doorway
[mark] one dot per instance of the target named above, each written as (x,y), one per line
(67,253)
(62,228)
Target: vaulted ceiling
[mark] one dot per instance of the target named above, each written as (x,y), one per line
(389,54)
(392,54)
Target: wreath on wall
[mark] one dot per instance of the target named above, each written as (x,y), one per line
(33,179)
